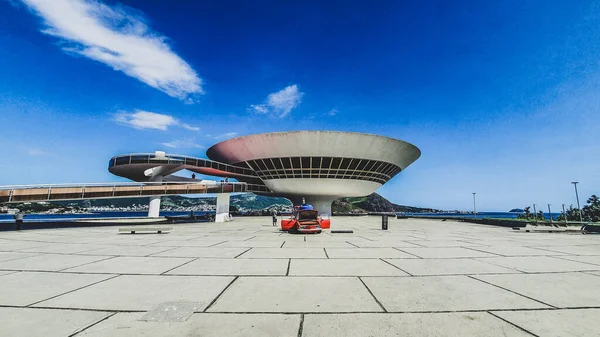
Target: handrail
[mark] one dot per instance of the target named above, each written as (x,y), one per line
(12,187)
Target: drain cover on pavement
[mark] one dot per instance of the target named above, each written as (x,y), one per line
(171,312)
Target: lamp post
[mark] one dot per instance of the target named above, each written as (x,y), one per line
(474,205)
(550,213)
(534,213)
(577,196)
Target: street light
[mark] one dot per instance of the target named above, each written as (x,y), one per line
(577,196)
(474,206)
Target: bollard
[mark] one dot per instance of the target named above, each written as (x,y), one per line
(384,222)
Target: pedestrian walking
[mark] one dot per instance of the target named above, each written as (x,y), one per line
(18,220)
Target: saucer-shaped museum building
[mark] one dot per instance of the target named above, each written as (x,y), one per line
(317,166)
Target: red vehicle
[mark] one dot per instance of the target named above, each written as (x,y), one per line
(304,220)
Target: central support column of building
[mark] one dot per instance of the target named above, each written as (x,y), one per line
(154,207)
(222,207)
(321,204)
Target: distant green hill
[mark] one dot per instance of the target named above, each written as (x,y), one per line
(242,203)
(372,203)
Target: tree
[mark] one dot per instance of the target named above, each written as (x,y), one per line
(526,214)
(591,211)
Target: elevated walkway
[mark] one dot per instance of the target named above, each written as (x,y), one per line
(38,193)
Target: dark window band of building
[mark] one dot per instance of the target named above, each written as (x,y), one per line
(324,167)
(178,160)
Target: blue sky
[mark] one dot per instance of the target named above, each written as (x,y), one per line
(501,97)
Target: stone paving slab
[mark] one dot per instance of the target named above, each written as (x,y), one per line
(537,264)
(445,252)
(383,244)
(142,292)
(448,266)
(558,289)
(343,267)
(296,294)
(233,267)
(556,323)
(7,256)
(203,252)
(281,253)
(443,243)
(583,258)
(126,251)
(12,245)
(517,251)
(251,243)
(49,262)
(366,253)
(408,325)
(317,244)
(132,265)
(574,250)
(443,293)
(192,243)
(25,288)
(25,322)
(225,325)
(62,248)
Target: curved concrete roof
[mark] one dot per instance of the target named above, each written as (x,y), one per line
(315,143)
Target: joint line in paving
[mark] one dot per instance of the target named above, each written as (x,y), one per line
(513,324)
(282,244)
(373,295)
(567,256)
(325,250)
(414,243)
(162,251)
(350,243)
(242,253)
(217,243)
(181,265)
(483,259)
(287,273)
(70,291)
(393,265)
(301,325)
(220,294)
(483,251)
(83,264)
(91,325)
(250,238)
(417,256)
(514,292)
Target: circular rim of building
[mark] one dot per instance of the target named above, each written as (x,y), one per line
(235,150)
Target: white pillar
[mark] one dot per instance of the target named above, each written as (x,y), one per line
(222,207)
(321,204)
(154,207)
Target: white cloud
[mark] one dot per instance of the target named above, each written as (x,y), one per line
(258,108)
(36,152)
(279,103)
(333,112)
(189,143)
(189,127)
(141,119)
(222,136)
(118,37)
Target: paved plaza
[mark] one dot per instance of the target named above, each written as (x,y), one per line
(246,278)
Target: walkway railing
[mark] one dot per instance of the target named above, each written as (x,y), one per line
(55,192)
